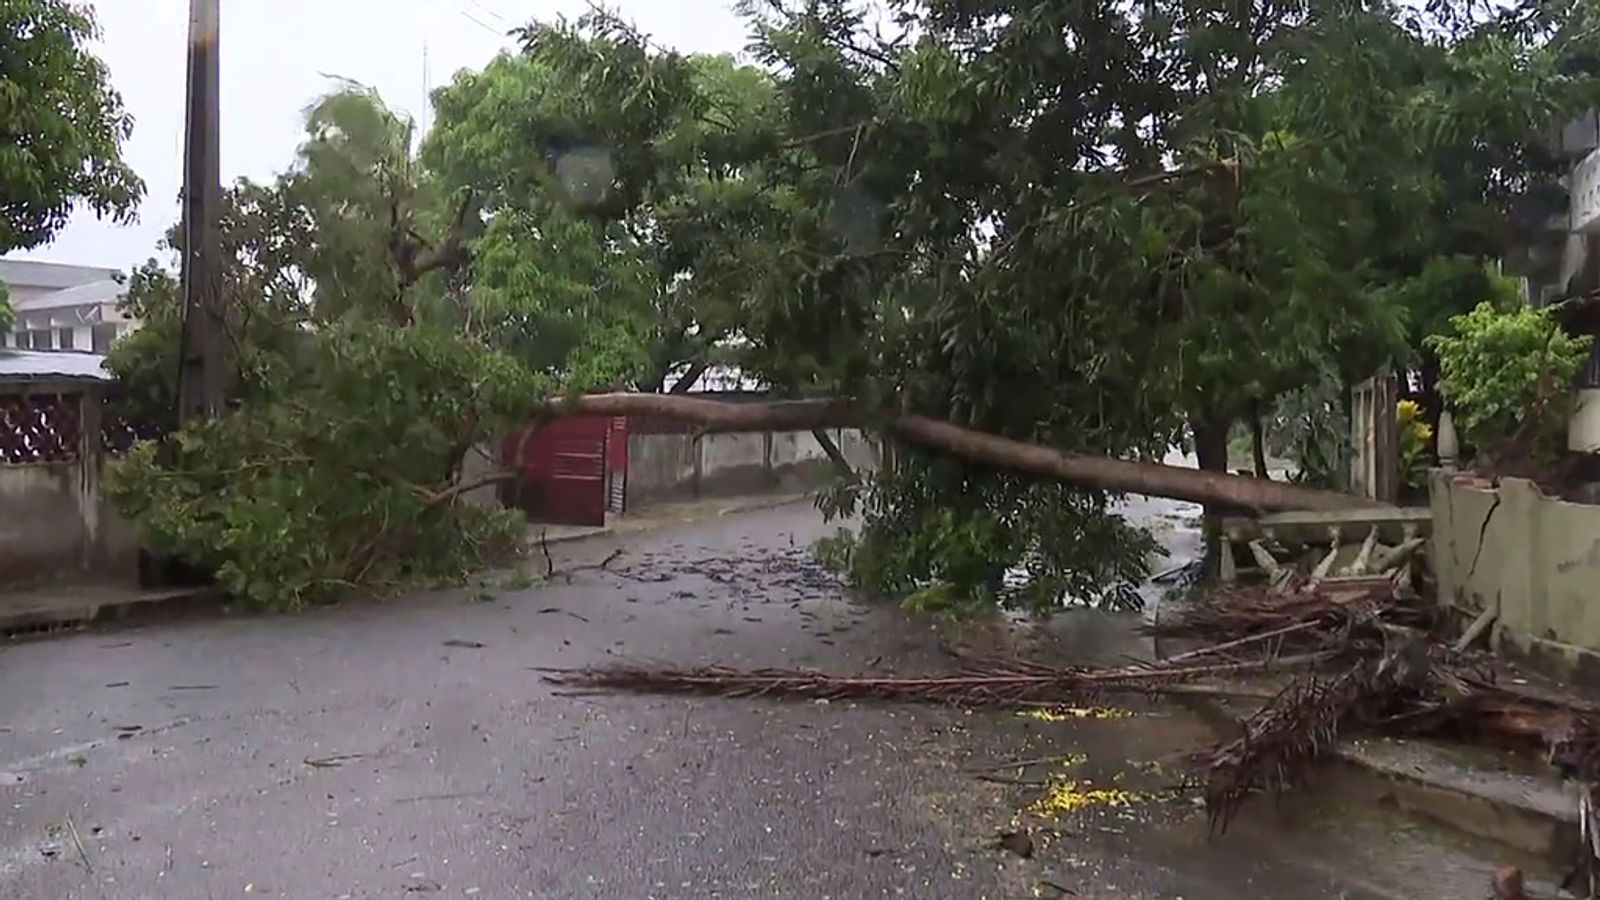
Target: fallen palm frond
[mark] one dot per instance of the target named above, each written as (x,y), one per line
(1283,738)
(980,682)
(1262,620)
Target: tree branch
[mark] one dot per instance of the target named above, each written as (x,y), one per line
(418,260)
(689,377)
(454,491)
(840,464)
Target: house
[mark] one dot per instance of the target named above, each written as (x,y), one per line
(1561,263)
(60,307)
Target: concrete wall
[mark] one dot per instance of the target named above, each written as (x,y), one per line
(1534,558)
(676,466)
(56,525)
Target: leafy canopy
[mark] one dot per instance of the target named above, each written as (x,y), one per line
(341,478)
(354,396)
(1149,215)
(62,126)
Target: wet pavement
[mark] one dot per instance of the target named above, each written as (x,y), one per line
(406,749)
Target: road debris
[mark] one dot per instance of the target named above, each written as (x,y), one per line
(332,762)
(1331,656)
(77,841)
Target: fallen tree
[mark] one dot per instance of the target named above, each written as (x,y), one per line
(1100,472)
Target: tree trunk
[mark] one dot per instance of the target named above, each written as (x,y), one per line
(1213,486)
(1430,400)
(1211,454)
(1258,440)
(1210,443)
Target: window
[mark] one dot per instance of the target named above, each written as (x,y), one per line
(102,336)
(35,340)
(64,339)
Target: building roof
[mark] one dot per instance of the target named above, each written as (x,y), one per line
(94,293)
(37,365)
(53,276)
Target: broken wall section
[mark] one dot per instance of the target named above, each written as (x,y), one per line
(1531,561)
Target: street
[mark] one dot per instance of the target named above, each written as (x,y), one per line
(405,748)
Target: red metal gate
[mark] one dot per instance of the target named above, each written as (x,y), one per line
(564,470)
(617,466)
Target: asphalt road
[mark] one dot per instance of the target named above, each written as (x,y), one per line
(406,749)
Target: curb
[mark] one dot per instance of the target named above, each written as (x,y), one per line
(1530,813)
(147,606)
(735,505)
(1533,814)
(136,608)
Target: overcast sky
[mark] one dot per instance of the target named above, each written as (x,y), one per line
(276,56)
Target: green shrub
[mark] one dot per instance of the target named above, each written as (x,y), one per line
(1508,374)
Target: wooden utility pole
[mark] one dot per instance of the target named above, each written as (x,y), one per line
(202,373)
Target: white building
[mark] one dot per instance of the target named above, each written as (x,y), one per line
(61,307)
(1579,279)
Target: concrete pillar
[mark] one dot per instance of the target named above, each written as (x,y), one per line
(1583,429)
(89,461)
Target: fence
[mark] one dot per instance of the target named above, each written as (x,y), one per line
(1375,445)
(56,524)
(668,466)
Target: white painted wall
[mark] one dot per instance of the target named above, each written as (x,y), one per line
(1585,193)
(81,321)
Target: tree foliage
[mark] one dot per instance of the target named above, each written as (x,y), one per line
(614,180)
(1509,374)
(354,396)
(62,126)
(1170,213)
(1093,226)
(342,476)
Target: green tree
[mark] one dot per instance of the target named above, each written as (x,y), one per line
(1157,217)
(355,394)
(63,126)
(617,180)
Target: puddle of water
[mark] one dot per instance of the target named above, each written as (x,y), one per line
(1112,795)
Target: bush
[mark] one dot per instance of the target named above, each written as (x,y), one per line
(1508,374)
(343,479)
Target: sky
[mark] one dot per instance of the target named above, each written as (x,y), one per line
(279,55)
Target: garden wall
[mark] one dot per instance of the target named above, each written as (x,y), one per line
(55,524)
(1534,558)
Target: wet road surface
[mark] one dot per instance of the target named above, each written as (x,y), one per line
(406,749)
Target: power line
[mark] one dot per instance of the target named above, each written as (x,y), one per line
(488,11)
(481,24)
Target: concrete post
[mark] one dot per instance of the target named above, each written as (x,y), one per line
(89,459)
(1449,443)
